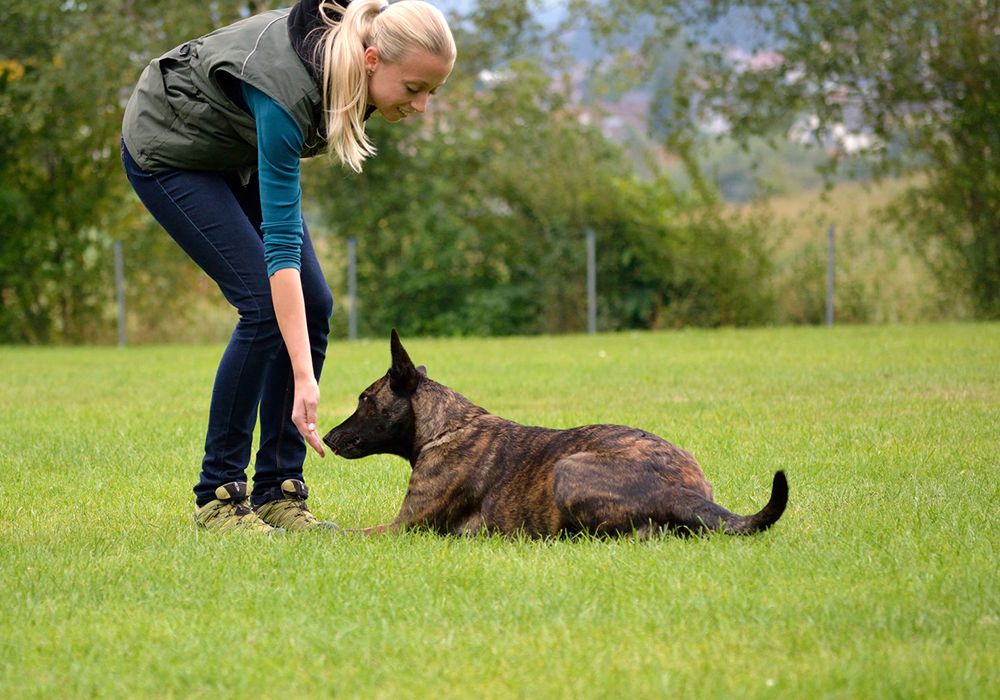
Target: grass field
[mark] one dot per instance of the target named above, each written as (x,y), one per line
(881,580)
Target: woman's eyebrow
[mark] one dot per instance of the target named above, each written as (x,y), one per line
(423,83)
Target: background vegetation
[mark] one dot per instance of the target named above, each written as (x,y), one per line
(879,581)
(472,219)
(915,86)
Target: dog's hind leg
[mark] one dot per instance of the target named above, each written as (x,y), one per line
(595,494)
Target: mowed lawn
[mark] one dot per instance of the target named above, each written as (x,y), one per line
(881,580)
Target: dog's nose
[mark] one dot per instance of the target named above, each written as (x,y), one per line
(328,439)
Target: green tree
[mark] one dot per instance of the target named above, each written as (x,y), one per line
(66,70)
(920,81)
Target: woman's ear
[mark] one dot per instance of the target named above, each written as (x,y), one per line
(371,59)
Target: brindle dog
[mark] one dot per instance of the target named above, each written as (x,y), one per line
(473,471)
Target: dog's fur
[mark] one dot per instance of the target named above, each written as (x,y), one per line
(473,471)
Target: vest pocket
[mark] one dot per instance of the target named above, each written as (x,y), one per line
(182,94)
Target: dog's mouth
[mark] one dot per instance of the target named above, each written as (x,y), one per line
(341,448)
(329,442)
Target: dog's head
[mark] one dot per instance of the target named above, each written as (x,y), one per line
(383,422)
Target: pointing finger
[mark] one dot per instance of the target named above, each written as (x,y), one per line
(312,437)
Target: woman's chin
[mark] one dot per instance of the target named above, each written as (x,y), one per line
(392,114)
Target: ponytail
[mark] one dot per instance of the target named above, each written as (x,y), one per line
(345,85)
(394,30)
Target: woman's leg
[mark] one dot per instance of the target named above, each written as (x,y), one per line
(202,212)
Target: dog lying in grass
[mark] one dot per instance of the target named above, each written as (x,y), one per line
(473,471)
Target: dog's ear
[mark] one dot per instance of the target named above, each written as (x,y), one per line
(403,376)
(422,370)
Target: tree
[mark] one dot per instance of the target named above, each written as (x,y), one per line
(914,87)
(66,69)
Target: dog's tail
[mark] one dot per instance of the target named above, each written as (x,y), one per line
(768,516)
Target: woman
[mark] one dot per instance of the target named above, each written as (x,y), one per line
(211,142)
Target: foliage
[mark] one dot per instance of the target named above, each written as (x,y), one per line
(915,83)
(473,221)
(66,70)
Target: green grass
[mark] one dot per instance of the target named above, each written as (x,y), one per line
(881,580)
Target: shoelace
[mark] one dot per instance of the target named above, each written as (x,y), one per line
(300,511)
(240,508)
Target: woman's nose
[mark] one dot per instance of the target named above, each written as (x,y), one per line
(420,103)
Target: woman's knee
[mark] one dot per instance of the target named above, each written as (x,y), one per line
(257,313)
(257,310)
(319,308)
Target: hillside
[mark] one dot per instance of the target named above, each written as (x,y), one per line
(881,276)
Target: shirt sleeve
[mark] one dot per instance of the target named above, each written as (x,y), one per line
(279,145)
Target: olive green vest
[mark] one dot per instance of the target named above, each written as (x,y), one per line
(181,116)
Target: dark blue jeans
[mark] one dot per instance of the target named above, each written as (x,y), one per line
(216,220)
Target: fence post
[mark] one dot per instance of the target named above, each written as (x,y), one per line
(120,291)
(352,289)
(830,266)
(591,282)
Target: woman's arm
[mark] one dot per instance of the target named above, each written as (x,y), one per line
(289,308)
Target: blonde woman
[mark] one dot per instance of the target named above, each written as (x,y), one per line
(211,143)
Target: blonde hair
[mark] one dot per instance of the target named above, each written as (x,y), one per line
(394,30)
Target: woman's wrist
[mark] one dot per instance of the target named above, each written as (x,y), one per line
(302,368)
(305,377)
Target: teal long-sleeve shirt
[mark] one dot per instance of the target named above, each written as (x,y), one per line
(279,145)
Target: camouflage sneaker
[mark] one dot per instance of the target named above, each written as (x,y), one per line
(290,512)
(231,512)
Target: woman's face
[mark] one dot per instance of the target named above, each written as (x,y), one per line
(400,89)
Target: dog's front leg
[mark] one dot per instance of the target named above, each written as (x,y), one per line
(378,529)
(391,528)
(397,525)
(422,509)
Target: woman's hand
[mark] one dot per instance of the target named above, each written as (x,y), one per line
(304,413)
